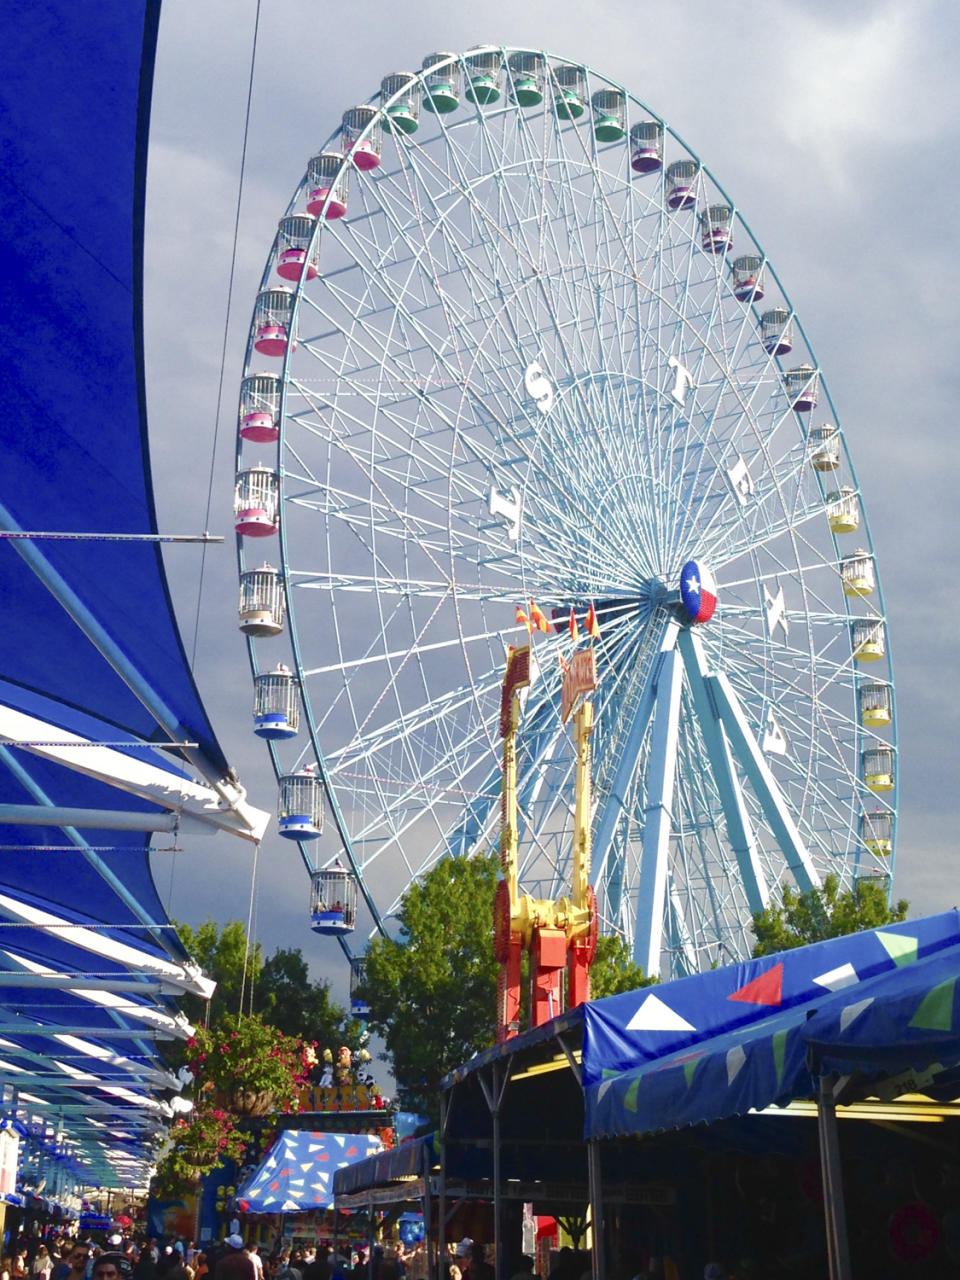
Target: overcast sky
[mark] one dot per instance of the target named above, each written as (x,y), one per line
(833,127)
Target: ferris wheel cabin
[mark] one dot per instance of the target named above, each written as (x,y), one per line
(483,77)
(441,83)
(300,808)
(646,146)
(868,640)
(327,179)
(716,228)
(843,510)
(359,1008)
(276,705)
(876,831)
(260,408)
(800,385)
(262,607)
(256,502)
(876,704)
(824,445)
(272,317)
(333,901)
(776,333)
(570,91)
(682,184)
(526,78)
(403,113)
(858,574)
(362,137)
(878,768)
(609,115)
(748,278)
(294,237)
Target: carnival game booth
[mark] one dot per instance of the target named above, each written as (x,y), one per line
(697,1120)
(295,1181)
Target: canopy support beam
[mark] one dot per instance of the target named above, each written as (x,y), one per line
(834,1209)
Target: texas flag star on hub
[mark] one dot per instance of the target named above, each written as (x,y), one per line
(698,591)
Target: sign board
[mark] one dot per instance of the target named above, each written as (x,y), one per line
(579,678)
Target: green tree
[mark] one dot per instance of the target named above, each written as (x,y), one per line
(287,998)
(613,969)
(219,951)
(824,913)
(432,992)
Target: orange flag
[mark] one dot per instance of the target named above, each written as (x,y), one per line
(524,621)
(574,629)
(538,618)
(593,627)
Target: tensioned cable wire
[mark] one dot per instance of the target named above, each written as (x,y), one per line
(246,950)
(226,327)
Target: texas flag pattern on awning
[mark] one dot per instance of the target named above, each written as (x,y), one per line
(297,1172)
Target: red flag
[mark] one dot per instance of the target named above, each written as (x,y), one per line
(538,617)
(593,627)
(564,664)
(524,621)
(574,629)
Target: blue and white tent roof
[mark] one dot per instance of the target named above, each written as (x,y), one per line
(297,1173)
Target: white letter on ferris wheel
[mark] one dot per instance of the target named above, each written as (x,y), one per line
(500,505)
(540,387)
(776,611)
(682,383)
(741,481)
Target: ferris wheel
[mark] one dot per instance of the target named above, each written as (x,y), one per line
(518,364)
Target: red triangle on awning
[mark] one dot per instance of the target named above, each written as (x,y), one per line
(767,989)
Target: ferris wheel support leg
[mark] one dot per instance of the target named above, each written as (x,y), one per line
(739,828)
(763,782)
(605,873)
(657,818)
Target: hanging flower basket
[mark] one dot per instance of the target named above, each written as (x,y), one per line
(245,1102)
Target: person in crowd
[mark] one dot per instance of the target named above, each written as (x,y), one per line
(73,1264)
(319,1269)
(523,1269)
(253,1253)
(42,1264)
(112,1266)
(234,1265)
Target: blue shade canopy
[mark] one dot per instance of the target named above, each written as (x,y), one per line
(297,1173)
(89,647)
(722,1043)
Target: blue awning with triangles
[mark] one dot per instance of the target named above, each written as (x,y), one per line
(297,1173)
(742,1038)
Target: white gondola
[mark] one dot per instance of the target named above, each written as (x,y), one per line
(441,82)
(362,137)
(646,146)
(748,278)
(483,77)
(876,832)
(260,408)
(878,768)
(526,78)
(300,808)
(359,1007)
(328,179)
(272,317)
(262,606)
(876,704)
(276,704)
(402,91)
(609,115)
(716,228)
(800,385)
(868,639)
(843,510)
(824,445)
(333,901)
(858,574)
(776,332)
(294,256)
(682,184)
(570,91)
(256,502)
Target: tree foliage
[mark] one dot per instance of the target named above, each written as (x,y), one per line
(432,992)
(614,971)
(219,951)
(824,913)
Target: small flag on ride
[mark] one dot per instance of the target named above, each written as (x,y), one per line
(538,617)
(524,621)
(593,627)
(564,664)
(574,629)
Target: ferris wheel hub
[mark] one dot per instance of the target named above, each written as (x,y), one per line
(698,592)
